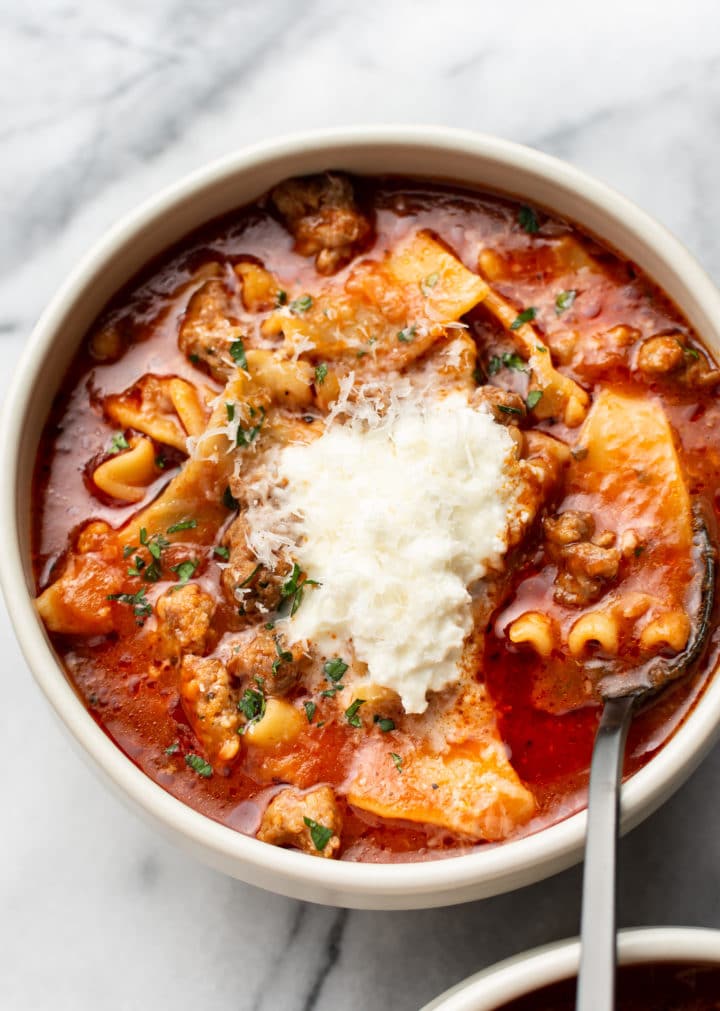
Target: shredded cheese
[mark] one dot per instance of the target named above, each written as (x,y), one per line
(396,513)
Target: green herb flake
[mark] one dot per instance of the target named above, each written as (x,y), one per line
(384,723)
(128,550)
(397,761)
(198,764)
(142,608)
(185,570)
(173,749)
(269,625)
(252,705)
(507,409)
(351,713)
(321,371)
(335,668)
(406,335)
(246,582)
(182,525)
(281,298)
(220,551)
(237,353)
(564,301)
(527,219)
(309,708)
(429,283)
(160,462)
(533,399)
(508,360)
(118,443)
(691,353)
(526,316)
(541,348)
(245,436)
(230,408)
(320,834)
(301,304)
(283,656)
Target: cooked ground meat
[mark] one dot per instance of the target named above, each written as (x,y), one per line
(260,658)
(283,823)
(184,617)
(321,214)
(210,705)
(508,408)
(585,565)
(207,329)
(248,586)
(660,355)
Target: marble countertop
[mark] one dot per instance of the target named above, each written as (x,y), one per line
(103,103)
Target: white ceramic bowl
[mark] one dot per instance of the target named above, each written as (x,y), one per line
(524,974)
(424,151)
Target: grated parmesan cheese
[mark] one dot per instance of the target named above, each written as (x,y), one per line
(395,516)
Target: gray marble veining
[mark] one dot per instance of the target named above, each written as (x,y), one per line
(102,103)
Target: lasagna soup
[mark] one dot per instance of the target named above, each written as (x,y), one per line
(350,503)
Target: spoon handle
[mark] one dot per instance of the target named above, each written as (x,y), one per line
(596,979)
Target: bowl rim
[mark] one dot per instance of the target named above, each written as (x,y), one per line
(509,865)
(523,974)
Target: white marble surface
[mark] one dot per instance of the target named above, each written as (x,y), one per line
(103,102)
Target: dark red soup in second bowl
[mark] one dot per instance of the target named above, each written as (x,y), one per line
(351,499)
(661,986)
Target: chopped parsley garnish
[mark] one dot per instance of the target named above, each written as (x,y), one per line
(182,525)
(269,625)
(230,408)
(564,301)
(128,550)
(237,353)
(351,713)
(142,608)
(309,708)
(691,353)
(185,570)
(526,316)
(527,219)
(281,298)
(507,409)
(136,569)
(221,551)
(541,349)
(320,373)
(252,705)
(229,500)
(247,435)
(639,550)
(397,761)
(246,582)
(406,334)
(173,748)
(118,444)
(335,668)
(198,764)
(160,462)
(508,360)
(301,304)
(283,656)
(320,834)
(430,281)
(294,587)
(195,359)
(384,723)
(533,399)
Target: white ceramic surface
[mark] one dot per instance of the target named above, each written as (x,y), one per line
(525,973)
(435,152)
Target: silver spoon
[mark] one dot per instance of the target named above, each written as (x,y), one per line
(621,694)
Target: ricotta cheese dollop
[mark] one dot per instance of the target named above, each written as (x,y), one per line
(395,520)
